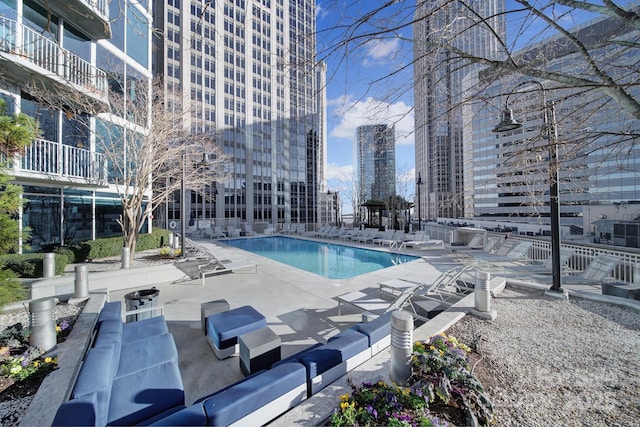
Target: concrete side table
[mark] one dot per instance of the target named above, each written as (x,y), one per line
(209,308)
(259,350)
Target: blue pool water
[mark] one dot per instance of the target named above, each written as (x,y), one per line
(330,260)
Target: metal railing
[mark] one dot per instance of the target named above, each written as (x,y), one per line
(627,271)
(53,158)
(102,6)
(47,55)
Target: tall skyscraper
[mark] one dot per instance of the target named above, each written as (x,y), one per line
(438,75)
(376,166)
(247,74)
(59,63)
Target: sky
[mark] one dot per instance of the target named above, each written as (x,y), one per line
(372,82)
(358,92)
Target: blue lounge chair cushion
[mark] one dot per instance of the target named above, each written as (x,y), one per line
(144,328)
(377,329)
(242,398)
(109,334)
(296,356)
(145,394)
(224,328)
(334,352)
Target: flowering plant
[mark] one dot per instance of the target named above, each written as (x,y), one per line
(21,361)
(441,390)
(169,252)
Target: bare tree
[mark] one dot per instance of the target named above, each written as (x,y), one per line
(146,149)
(599,42)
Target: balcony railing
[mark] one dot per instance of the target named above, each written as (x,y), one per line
(46,54)
(55,160)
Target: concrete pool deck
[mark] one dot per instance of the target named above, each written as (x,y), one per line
(299,306)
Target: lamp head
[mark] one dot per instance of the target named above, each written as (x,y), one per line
(507,122)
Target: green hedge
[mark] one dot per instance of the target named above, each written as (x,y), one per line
(31,265)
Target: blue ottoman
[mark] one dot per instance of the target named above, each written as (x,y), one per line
(223,329)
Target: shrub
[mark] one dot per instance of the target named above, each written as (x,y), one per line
(153,240)
(10,288)
(67,252)
(31,265)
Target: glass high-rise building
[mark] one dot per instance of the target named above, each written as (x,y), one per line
(71,55)
(438,75)
(247,75)
(376,165)
(599,162)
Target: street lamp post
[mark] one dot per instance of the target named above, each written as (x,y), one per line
(419,184)
(508,123)
(183,196)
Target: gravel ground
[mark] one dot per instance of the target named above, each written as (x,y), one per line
(555,362)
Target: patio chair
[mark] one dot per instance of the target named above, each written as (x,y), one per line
(213,233)
(368,236)
(476,242)
(545,267)
(351,234)
(232,231)
(452,278)
(248,230)
(596,272)
(385,235)
(396,237)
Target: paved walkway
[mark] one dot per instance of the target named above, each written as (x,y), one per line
(299,306)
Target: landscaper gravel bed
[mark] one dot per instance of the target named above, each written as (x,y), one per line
(553,362)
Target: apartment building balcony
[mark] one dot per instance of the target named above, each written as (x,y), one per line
(32,60)
(48,161)
(89,16)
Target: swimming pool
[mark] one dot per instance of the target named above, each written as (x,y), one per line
(330,260)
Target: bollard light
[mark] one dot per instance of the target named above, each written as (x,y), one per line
(81,284)
(42,323)
(401,346)
(482,295)
(49,265)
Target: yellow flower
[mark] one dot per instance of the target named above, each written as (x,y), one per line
(344,397)
(48,360)
(36,363)
(344,405)
(58,328)
(433,347)
(55,360)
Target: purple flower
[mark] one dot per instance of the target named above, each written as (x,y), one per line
(371,411)
(64,325)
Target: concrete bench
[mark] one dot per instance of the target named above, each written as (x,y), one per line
(259,350)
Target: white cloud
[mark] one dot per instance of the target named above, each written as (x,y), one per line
(339,173)
(372,111)
(379,51)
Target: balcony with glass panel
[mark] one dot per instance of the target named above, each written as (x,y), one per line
(89,16)
(47,161)
(35,61)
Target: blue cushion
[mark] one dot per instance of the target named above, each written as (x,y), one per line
(77,412)
(242,398)
(147,352)
(353,332)
(96,377)
(145,394)
(377,329)
(111,310)
(296,356)
(193,415)
(110,334)
(224,328)
(144,328)
(334,352)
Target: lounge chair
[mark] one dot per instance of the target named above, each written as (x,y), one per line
(476,242)
(596,272)
(338,234)
(232,231)
(213,233)
(545,267)
(452,278)
(248,230)
(517,251)
(351,234)
(368,236)
(386,235)
(395,239)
